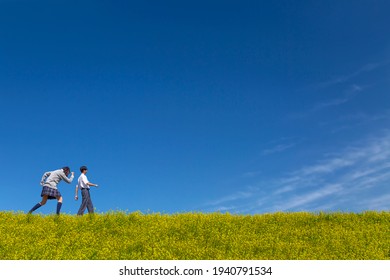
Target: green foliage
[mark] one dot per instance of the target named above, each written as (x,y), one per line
(195,236)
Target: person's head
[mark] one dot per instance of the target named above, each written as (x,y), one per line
(83,169)
(66,170)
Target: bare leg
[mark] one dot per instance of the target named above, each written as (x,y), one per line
(43,202)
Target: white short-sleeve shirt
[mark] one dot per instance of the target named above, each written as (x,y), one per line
(82,182)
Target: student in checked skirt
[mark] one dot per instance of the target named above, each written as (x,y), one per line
(84,185)
(49,184)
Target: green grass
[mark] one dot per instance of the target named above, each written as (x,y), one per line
(196,236)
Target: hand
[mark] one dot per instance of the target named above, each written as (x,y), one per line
(72,173)
(76,197)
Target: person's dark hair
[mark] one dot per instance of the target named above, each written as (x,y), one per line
(82,168)
(66,170)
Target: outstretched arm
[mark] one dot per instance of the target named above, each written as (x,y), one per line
(92,185)
(88,183)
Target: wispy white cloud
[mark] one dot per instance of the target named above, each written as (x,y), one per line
(348,95)
(348,89)
(326,167)
(278,148)
(283,190)
(351,121)
(377,203)
(330,103)
(251,174)
(356,178)
(306,198)
(364,118)
(369,67)
(281,145)
(355,88)
(232,198)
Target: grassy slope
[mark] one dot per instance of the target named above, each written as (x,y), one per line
(196,236)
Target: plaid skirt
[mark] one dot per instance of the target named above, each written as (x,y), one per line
(51,193)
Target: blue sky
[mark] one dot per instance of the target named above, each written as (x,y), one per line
(177,106)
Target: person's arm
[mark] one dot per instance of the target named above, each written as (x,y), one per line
(76,196)
(47,174)
(92,185)
(66,179)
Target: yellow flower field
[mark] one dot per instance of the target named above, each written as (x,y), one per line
(195,236)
